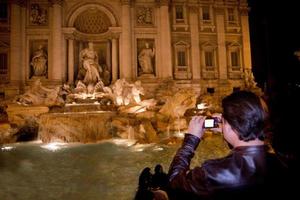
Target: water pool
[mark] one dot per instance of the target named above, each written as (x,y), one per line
(107,170)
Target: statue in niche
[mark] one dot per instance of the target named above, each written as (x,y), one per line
(39,62)
(145,59)
(90,66)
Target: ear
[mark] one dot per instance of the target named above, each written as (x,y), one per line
(230,134)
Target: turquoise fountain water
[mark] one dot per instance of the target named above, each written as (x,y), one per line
(107,170)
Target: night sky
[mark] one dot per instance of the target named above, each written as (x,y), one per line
(274,39)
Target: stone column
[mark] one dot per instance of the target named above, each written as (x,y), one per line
(165,40)
(23,74)
(246,38)
(57,68)
(114,56)
(126,49)
(108,54)
(194,22)
(221,43)
(80,47)
(15,44)
(70,61)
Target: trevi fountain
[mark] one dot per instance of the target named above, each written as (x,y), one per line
(109,87)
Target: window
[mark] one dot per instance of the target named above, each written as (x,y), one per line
(181,58)
(3,11)
(210,90)
(231,15)
(179,13)
(3,64)
(205,13)
(209,68)
(209,59)
(235,59)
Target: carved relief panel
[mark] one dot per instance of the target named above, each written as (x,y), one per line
(38,14)
(144,16)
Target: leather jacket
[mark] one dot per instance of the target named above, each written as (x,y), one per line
(246,168)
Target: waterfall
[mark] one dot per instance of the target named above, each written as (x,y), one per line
(130,133)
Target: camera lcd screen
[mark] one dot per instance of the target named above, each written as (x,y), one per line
(209,123)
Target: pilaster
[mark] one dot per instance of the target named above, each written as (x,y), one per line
(194,21)
(15,43)
(126,42)
(221,43)
(57,68)
(246,38)
(165,40)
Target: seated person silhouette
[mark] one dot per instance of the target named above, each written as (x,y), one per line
(160,178)
(148,189)
(144,189)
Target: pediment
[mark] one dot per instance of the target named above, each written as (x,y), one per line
(181,43)
(208,44)
(3,45)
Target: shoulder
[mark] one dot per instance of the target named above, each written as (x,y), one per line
(218,163)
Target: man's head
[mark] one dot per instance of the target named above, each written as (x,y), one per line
(246,113)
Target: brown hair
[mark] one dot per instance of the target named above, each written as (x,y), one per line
(246,114)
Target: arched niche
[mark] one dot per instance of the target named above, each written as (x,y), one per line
(92,23)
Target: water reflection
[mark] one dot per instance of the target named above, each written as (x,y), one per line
(107,170)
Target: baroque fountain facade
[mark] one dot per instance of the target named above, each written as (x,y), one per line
(85,71)
(125,76)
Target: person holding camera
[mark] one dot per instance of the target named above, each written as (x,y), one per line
(248,171)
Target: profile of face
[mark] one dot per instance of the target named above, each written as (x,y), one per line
(228,134)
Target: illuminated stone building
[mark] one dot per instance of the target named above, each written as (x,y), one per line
(203,44)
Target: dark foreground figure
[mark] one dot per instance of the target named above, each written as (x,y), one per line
(250,171)
(152,186)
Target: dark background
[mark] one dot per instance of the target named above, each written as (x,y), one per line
(275,36)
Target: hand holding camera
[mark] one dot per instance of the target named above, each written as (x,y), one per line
(199,123)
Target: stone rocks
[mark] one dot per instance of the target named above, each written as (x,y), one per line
(18,114)
(79,127)
(177,105)
(6,133)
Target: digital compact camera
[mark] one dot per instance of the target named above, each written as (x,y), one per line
(211,122)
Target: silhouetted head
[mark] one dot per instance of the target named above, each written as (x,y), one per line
(246,113)
(158,169)
(145,178)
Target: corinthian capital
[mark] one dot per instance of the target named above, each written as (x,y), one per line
(19,2)
(126,2)
(59,2)
(163,2)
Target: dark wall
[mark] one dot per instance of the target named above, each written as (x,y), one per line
(275,36)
